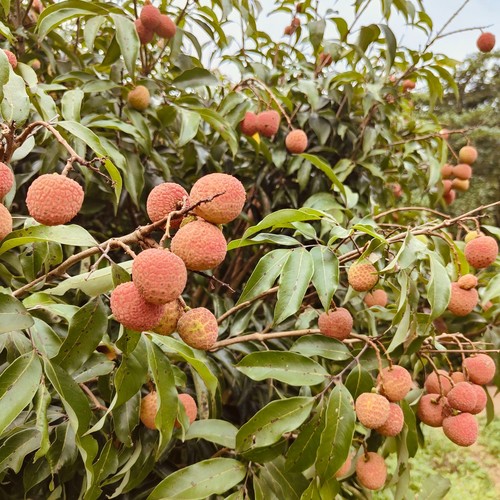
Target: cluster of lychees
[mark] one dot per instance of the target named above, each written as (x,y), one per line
(461,173)
(151,21)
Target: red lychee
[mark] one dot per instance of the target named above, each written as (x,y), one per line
(12,58)
(376,298)
(139,98)
(198,328)
(486,42)
(446,186)
(149,409)
(371,471)
(395,382)
(296,141)
(145,35)
(481,399)
(190,407)
(249,124)
(446,170)
(394,423)
(6,180)
(462,302)
(462,429)
(481,252)
(165,198)
(460,184)
(432,383)
(467,281)
(362,276)
(480,368)
(458,377)
(268,123)
(450,196)
(372,409)
(345,467)
(408,85)
(468,155)
(166,27)
(336,323)
(171,315)
(432,409)
(462,397)
(150,16)
(462,171)
(5,222)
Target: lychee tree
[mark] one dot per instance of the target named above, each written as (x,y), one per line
(233,288)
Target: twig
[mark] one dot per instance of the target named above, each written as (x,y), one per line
(90,394)
(431,136)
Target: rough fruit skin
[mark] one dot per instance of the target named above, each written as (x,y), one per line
(394,423)
(486,42)
(446,170)
(467,282)
(336,323)
(6,180)
(150,17)
(468,154)
(268,123)
(480,368)
(288,30)
(460,184)
(462,302)
(457,377)
(371,471)
(145,35)
(462,171)
(131,310)
(190,408)
(198,328)
(446,186)
(139,98)
(159,275)
(149,409)
(53,199)
(296,141)
(449,197)
(223,208)
(395,382)
(408,85)
(200,245)
(249,125)
(432,384)
(432,409)
(462,397)
(481,399)
(345,468)
(171,315)
(166,27)
(362,277)
(376,298)
(5,222)
(481,252)
(163,199)
(461,429)
(372,409)
(12,58)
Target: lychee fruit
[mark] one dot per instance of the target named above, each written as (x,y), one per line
(462,397)
(345,467)
(295,22)
(372,409)
(145,35)
(371,471)
(457,377)
(150,16)
(139,98)
(190,407)
(395,382)
(461,429)
(198,328)
(131,310)
(296,141)
(462,302)
(432,409)
(325,59)
(480,368)
(249,125)
(226,194)
(444,133)
(446,170)
(481,399)
(467,282)
(376,298)
(481,252)
(165,198)
(336,323)
(460,184)
(446,186)
(486,42)
(12,58)
(149,409)
(6,180)
(362,276)
(159,275)
(268,123)
(171,315)
(166,27)
(200,245)
(397,189)
(432,383)
(394,423)
(468,154)
(450,196)
(289,30)
(408,85)
(5,222)
(54,199)
(462,171)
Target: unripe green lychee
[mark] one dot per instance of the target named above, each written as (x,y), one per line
(165,198)
(468,154)
(249,124)
(480,368)
(145,35)
(171,315)
(446,170)
(432,409)
(481,399)
(395,382)
(198,328)
(12,58)
(345,467)
(472,235)
(486,42)
(190,407)
(481,252)
(372,409)
(149,409)
(200,245)
(376,298)
(226,194)
(139,98)
(462,302)
(362,276)
(461,429)
(5,222)
(336,323)
(131,310)
(371,471)
(150,16)
(159,275)
(166,27)
(432,383)
(467,281)
(462,397)
(296,141)
(54,199)
(394,423)
(6,180)
(462,171)
(268,123)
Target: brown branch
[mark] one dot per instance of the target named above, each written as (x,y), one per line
(431,136)
(91,395)
(242,305)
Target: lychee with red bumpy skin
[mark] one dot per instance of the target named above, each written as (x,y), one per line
(446,170)
(446,186)
(190,407)
(200,245)
(336,323)
(198,328)
(481,252)
(450,196)
(432,409)
(372,409)
(461,429)
(150,16)
(249,125)
(462,397)
(362,276)
(296,141)
(467,281)
(5,222)
(376,298)
(171,315)
(54,199)
(458,377)
(139,98)
(486,42)
(462,302)
(432,383)
(371,471)
(480,369)
(295,22)
(159,275)
(131,310)
(468,155)
(481,399)
(165,198)
(6,180)
(149,409)
(166,27)
(268,123)
(408,85)
(394,423)
(145,35)
(462,171)
(395,382)
(226,194)
(12,58)
(289,30)
(345,468)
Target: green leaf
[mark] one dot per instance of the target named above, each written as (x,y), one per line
(287,367)
(213,430)
(104,466)
(316,32)
(15,105)
(200,480)
(14,449)
(128,40)
(435,487)
(13,315)
(402,330)
(85,134)
(43,400)
(438,288)
(18,385)
(71,104)
(326,274)
(358,381)
(4,68)
(319,345)
(126,419)
(190,121)
(268,425)
(326,169)
(195,77)
(284,483)
(391,42)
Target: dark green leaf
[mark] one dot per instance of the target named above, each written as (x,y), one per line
(319,345)
(13,315)
(326,274)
